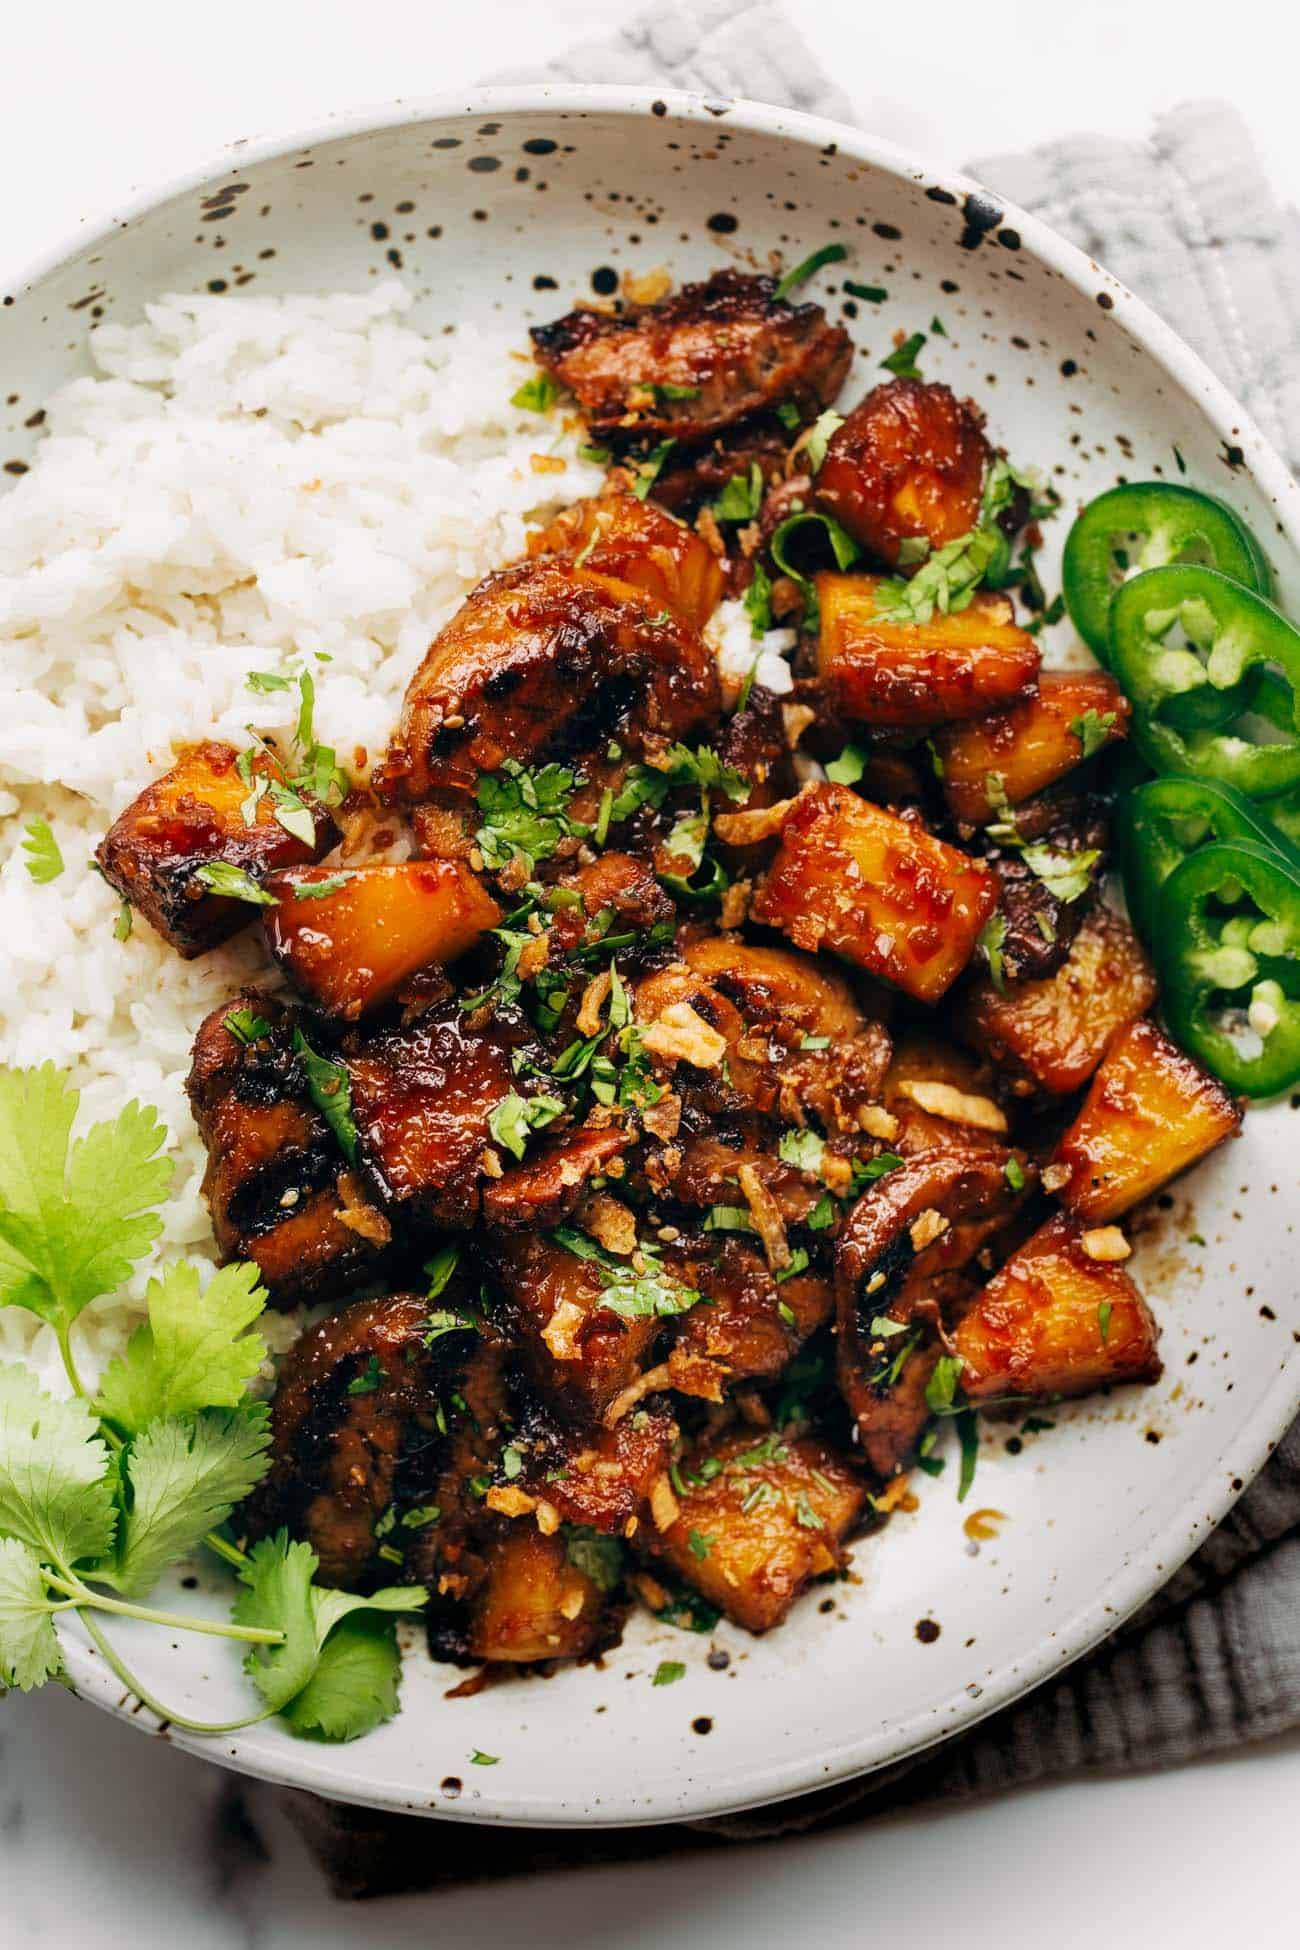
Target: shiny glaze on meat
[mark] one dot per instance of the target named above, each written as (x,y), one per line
(908,460)
(731,345)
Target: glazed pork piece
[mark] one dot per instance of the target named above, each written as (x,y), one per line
(278,1186)
(193,818)
(634,542)
(908,461)
(706,358)
(546,661)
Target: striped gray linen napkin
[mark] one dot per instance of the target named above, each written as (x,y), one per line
(1188,220)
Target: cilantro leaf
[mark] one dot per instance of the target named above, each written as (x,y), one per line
(525,813)
(902,360)
(819,438)
(597,1556)
(73,1218)
(842,545)
(245,1026)
(649,469)
(758,608)
(514,1117)
(355,1685)
(232,883)
(186,1474)
(946,581)
(55,1490)
(29,1651)
(44,862)
(278,1594)
(331,1092)
(1066,875)
(803,1149)
(992,939)
(1092,730)
(848,768)
(536,395)
(193,1352)
(668,1672)
(741,497)
(941,1388)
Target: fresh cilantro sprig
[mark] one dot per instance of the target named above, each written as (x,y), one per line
(99,1496)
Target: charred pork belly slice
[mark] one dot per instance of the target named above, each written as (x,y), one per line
(692,477)
(351,939)
(760,1517)
(597,1478)
(422,1096)
(361,1430)
(634,542)
(547,661)
(194,818)
(552,1181)
(751,1324)
(551,1305)
(916,1225)
(908,461)
(705,358)
(277,1184)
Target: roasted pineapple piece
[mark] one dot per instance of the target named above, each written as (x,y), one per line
(350,939)
(1055,1321)
(421,1100)
(912,675)
(879,890)
(534,1602)
(1054,1033)
(355,1395)
(908,460)
(579,1354)
(540,656)
(635,542)
(1151,1112)
(706,357)
(194,817)
(277,1183)
(999,761)
(760,1517)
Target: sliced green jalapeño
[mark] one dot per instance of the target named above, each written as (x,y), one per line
(1187,642)
(1149,525)
(1164,820)
(1227,950)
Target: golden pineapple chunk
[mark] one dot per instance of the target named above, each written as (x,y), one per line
(535,1604)
(350,938)
(1151,1112)
(881,672)
(771,1514)
(1054,1032)
(879,890)
(1055,1321)
(1007,758)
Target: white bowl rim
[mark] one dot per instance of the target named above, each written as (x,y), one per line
(1129,1587)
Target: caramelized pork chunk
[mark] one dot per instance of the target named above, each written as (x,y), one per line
(421,1100)
(534,1602)
(553,1178)
(1052,1034)
(1000,760)
(1056,1321)
(351,940)
(542,661)
(600,1479)
(354,1425)
(615,881)
(761,1517)
(277,1184)
(878,671)
(195,817)
(1151,1112)
(894,1260)
(634,542)
(879,890)
(909,460)
(751,1324)
(705,358)
(580,1355)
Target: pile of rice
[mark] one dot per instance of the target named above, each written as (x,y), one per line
(245,485)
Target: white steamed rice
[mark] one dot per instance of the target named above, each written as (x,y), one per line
(243,483)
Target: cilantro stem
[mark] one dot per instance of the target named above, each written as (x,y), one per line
(63,1330)
(81,1594)
(224,1548)
(156,1706)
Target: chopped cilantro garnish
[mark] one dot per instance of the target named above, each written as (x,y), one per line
(525,813)
(902,360)
(828,254)
(849,767)
(44,862)
(369,1379)
(1014,1173)
(741,497)
(803,1149)
(598,1557)
(1093,730)
(219,877)
(479,1759)
(245,1026)
(331,1092)
(511,1121)
(668,1672)
(870,294)
(758,608)
(992,939)
(941,1389)
(1104,1312)
(649,469)
(699,1545)
(536,395)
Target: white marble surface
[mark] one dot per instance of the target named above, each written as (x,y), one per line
(109,1840)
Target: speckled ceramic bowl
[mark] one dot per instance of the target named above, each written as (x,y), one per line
(512,205)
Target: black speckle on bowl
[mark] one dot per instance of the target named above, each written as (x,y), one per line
(722,223)
(604,281)
(981,214)
(484,165)
(540,145)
